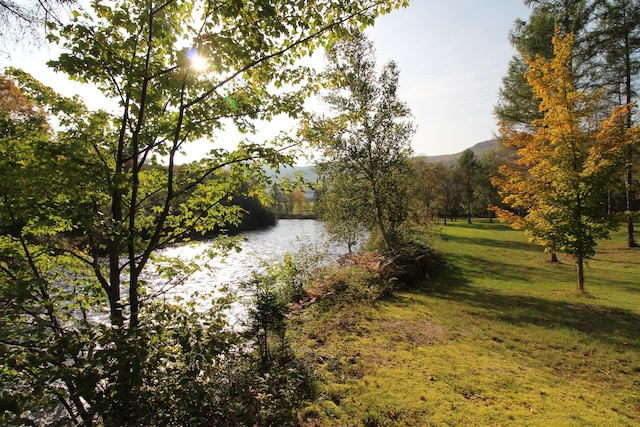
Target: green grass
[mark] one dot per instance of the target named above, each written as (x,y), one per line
(500,338)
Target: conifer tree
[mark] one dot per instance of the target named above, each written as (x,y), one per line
(467,168)
(615,42)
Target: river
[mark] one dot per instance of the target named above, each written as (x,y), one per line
(257,248)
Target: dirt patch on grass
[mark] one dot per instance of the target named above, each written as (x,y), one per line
(417,332)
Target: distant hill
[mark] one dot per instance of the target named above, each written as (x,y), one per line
(307,172)
(480,149)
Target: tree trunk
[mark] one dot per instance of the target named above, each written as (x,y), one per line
(629,122)
(114,248)
(629,184)
(580,266)
(383,232)
(469,205)
(553,257)
(446,211)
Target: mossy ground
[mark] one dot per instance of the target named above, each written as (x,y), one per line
(500,338)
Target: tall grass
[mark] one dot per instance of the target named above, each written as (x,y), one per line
(499,338)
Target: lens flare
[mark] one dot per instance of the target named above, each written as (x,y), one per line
(198,62)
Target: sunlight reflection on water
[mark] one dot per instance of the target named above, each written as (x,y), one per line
(260,246)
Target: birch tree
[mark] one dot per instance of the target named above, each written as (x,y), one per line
(367,140)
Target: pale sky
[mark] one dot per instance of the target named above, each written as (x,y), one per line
(452,55)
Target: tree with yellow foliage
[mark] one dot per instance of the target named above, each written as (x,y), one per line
(566,163)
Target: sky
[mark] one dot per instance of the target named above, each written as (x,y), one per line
(452,56)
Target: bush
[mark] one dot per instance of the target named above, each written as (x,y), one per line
(355,277)
(414,261)
(410,258)
(197,371)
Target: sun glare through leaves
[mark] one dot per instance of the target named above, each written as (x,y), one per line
(198,62)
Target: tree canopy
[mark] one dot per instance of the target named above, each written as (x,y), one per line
(89,199)
(568,162)
(367,141)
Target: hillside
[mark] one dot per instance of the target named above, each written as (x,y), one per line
(480,149)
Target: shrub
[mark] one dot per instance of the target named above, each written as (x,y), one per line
(414,261)
(410,258)
(355,277)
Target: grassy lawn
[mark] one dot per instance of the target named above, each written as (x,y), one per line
(500,338)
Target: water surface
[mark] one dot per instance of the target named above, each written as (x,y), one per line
(257,248)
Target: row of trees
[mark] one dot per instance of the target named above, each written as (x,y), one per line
(298,203)
(464,190)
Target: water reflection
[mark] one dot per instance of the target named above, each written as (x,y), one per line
(258,247)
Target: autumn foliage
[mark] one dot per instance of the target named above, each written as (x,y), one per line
(566,164)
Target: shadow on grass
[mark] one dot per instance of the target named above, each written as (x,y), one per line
(598,257)
(610,325)
(479,266)
(480,223)
(501,244)
(613,325)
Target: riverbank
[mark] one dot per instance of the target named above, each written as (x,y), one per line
(297,216)
(501,338)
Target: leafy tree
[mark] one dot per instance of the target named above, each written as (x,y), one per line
(85,210)
(468,168)
(436,190)
(367,142)
(423,205)
(288,203)
(337,207)
(294,202)
(517,105)
(299,200)
(39,306)
(23,124)
(486,192)
(451,193)
(568,161)
(606,58)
